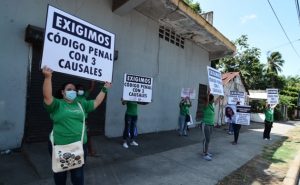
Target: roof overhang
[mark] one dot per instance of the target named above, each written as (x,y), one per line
(178,16)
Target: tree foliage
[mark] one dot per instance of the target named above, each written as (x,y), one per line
(261,76)
(246,61)
(195,6)
(274,63)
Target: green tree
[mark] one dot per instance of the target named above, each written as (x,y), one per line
(293,81)
(275,62)
(195,6)
(246,61)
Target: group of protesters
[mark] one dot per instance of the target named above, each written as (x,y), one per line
(71,107)
(208,121)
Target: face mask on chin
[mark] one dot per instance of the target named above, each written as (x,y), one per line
(80,92)
(71,95)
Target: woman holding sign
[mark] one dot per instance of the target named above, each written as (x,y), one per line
(184,117)
(269,114)
(208,123)
(68,115)
(130,128)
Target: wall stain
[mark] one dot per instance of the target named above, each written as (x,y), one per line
(6,125)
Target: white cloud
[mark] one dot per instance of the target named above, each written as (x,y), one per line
(247,18)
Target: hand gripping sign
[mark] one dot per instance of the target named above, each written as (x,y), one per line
(76,47)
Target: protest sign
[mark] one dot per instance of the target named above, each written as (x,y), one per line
(236,96)
(243,114)
(215,81)
(272,96)
(76,47)
(230,114)
(137,88)
(188,92)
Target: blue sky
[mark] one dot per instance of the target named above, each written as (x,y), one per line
(255,18)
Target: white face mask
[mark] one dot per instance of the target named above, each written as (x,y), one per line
(71,95)
(80,92)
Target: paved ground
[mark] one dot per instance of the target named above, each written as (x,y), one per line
(161,159)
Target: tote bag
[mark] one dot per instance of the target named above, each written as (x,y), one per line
(190,122)
(70,156)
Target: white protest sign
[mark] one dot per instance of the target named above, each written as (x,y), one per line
(188,92)
(243,114)
(272,96)
(76,47)
(236,96)
(137,88)
(215,81)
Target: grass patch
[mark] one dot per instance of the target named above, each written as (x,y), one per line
(284,150)
(271,166)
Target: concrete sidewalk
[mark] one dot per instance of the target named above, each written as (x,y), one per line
(162,158)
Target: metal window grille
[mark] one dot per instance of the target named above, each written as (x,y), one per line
(170,36)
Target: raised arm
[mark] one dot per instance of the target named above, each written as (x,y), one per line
(206,100)
(273,106)
(91,87)
(218,99)
(47,86)
(189,101)
(100,97)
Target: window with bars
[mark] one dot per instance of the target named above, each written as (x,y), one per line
(170,36)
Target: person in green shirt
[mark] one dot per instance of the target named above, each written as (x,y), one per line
(83,94)
(269,118)
(208,123)
(131,117)
(67,118)
(184,116)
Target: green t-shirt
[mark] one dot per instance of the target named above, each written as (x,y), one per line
(209,114)
(269,114)
(184,108)
(68,119)
(131,108)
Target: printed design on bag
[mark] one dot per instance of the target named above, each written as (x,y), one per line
(68,159)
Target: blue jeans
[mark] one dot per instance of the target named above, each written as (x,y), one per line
(77,175)
(182,125)
(230,127)
(130,129)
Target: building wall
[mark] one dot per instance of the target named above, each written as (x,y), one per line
(140,52)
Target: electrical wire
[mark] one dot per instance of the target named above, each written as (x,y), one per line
(279,46)
(283,29)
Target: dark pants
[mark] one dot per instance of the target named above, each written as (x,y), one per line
(77,175)
(130,130)
(236,131)
(267,131)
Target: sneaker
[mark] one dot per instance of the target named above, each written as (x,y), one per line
(269,139)
(230,133)
(206,157)
(125,145)
(265,138)
(234,143)
(133,143)
(209,154)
